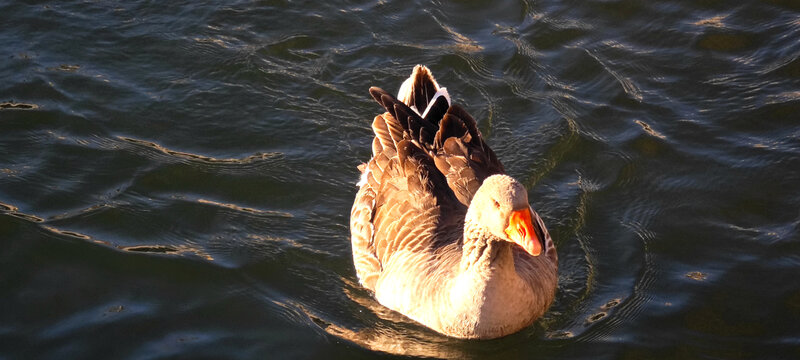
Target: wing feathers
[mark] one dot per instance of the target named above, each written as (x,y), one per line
(382,133)
(423,173)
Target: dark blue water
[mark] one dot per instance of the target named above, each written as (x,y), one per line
(176,177)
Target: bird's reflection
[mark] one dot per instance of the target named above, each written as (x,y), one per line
(393,333)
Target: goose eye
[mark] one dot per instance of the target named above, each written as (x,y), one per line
(496,204)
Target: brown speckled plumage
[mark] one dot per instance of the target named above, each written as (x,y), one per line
(427,222)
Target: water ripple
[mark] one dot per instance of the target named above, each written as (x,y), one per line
(187,170)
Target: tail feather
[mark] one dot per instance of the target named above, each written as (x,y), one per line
(401,119)
(439,121)
(437,109)
(419,89)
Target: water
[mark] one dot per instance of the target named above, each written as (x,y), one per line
(176,178)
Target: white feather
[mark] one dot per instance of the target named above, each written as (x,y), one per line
(363,180)
(440,92)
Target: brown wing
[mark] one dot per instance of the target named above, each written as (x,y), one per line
(414,206)
(422,176)
(452,139)
(462,155)
(404,203)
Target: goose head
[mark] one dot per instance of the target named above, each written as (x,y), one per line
(500,208)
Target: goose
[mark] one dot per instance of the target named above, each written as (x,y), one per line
(439,232)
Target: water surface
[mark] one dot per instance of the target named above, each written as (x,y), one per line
(176,177)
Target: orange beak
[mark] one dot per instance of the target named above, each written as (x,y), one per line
(520,231)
